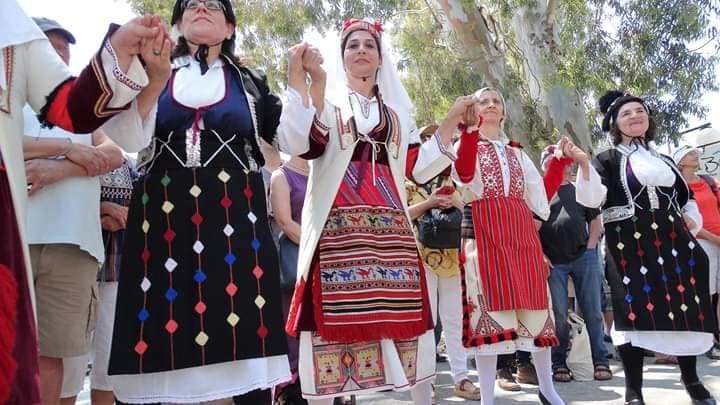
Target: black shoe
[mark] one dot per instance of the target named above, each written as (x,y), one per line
(607,338)
(636,401)
(439,358)
(699,394)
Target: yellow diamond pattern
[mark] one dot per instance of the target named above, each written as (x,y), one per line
(620,246)
(260,301)
(683,307)
(201,339)
(146,226)
(232,319)
(654,226)
(697,299)
(671,315)
(223,176)
(167,207)
(637,235)
(195,191)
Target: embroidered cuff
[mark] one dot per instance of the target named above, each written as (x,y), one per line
(448,152)
(119,75)
(319,131)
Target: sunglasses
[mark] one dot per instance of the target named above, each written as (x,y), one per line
(212,5)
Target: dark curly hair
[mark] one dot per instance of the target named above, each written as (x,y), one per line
(610,104)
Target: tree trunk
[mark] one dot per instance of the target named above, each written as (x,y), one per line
(480,49)
(559,106)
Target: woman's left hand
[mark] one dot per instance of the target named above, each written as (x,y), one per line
(155,53)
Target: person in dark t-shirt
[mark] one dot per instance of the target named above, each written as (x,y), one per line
(569,240)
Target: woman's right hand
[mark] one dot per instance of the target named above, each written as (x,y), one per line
(312,63)
(92,159)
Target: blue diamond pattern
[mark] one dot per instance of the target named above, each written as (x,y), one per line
(143,315)
(171,294)
(230,258)
(691,262)
(647,288)
(255,244)
(664,278)
(628,298)
(199,277)
(678,270)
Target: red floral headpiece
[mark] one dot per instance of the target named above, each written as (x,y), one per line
(355,24)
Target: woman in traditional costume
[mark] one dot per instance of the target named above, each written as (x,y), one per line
(504,276)
(657,271)
(198,310)
(360,304)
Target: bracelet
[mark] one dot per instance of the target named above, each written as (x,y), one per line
(64,153)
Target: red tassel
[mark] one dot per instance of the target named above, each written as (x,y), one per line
(412,155)
(58,113)
(8,318)
(554,175)
(467,156)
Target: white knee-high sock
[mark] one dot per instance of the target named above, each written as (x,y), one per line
(422,393)
(327,401)
(543,366)
(486,368)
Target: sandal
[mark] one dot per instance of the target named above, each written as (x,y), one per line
(467,390)
(562,374)
(602,372)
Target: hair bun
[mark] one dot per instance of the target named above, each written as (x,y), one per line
(607,99)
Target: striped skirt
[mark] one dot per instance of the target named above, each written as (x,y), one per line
(504,280)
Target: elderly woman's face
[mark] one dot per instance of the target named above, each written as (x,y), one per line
(204,25)
(361,56)
(690,161)
(489,105)
(632,119)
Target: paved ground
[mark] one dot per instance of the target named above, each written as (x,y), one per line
(662,386)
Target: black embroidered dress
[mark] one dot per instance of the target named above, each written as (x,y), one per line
(199,285)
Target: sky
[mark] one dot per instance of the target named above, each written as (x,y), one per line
(88,21)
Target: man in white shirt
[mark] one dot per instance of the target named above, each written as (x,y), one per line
(65,250)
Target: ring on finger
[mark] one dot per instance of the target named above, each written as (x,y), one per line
(156,52)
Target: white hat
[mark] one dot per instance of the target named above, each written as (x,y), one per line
(682,151)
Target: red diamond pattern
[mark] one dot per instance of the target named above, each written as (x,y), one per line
(145,255)
(692,280)
(171,326)
(667,297)
(673,235)
(231,289)
(196,218)
(140,347)
(623,263)
(640,253)
(169,235)
(200,307)
(257,272)
(248,192)
(631,316)
(657,243)
(226,202)
(650,306)
(701,317)
(262,331)
(347,360)
(681,288)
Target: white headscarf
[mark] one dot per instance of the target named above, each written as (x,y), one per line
(15,28)
(337,92)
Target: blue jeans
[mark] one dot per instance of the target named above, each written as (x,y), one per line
(587,277)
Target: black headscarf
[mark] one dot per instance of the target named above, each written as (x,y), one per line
(201,54)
